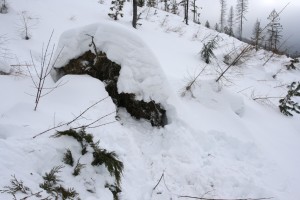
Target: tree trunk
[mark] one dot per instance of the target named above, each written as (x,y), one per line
(134,16)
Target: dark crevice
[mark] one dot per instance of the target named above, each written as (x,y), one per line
(108,72)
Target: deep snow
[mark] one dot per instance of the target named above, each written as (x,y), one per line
(219,144)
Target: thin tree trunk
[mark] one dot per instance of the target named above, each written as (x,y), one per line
(134,16)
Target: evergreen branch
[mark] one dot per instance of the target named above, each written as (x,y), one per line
(68,158)
(78,168)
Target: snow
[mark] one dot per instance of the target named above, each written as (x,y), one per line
(140,73)
(219,144)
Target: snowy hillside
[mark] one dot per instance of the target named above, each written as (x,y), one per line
(223,140)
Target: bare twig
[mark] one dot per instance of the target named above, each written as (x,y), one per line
(77,117)
(192,82)
(86,110)
(162,175)
(46,65)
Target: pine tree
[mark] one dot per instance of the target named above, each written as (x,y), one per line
(217,27)
(174,7)
(241,10)
(207,50)
(116,9)
(230,21)
(222,16)
(287,105)
(151,3)
(141,3)
(207,25)
(257,35)
(274,30)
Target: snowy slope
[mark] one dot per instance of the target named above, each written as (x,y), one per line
(220,144)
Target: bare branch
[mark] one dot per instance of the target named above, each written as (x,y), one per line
(77,117)
(191,197)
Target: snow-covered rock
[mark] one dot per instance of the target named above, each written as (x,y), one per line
(140,74)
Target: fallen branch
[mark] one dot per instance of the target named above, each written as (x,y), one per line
(159,181)
(191,197)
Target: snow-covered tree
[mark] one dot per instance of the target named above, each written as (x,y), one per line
(230,22)
(241,10)
(174,7)
(207,50)
(116,9)
(257,36)
(222,16)
(217,27)
(274,31)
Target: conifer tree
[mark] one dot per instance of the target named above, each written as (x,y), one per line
(230,21)
(174,7)
(257,35)
(116,9)
(274,30)
(241,10)
(217,27)
(207,50)
(222,16)
(287,105)
(207,25)
(151,3)
(141,3)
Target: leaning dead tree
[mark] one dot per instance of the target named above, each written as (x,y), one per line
(245,50)
(237,58)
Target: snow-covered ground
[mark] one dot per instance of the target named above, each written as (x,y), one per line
(219,143)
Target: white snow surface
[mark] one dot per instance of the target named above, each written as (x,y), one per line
(221,143)
(140,72)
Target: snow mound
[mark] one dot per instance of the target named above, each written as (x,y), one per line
(140,72)
(4,67)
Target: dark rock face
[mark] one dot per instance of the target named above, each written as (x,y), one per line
(107,71)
